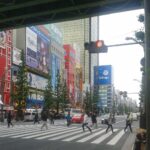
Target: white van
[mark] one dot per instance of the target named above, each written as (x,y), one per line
(30,114)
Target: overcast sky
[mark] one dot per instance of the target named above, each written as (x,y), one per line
(125,60)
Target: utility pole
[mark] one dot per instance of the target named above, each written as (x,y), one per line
(147,69)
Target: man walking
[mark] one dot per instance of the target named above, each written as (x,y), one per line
(44,119)
(128,123)
(94,119)
(51,117)
(9,119)
(85,123)
(109,123)
(36,118)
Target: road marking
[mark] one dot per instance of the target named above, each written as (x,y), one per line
(65,135)
(116,138)
(64,131)
(79,135)
(35,133)
(102,138)
(91,136)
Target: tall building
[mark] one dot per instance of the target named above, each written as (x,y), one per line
(44,53)
(77,32)
(70,71)
(5,66)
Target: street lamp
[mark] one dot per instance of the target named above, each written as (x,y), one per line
(133,39)
(137,80)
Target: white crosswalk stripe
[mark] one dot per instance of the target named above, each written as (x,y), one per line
(102,138)
(62,133)
(116,138)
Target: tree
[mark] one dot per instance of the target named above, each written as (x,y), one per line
(22,88)
(49,94)
(139,34)
(60,93)
(87,102)
(65,96)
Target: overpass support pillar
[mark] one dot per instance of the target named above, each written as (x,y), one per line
(147,69)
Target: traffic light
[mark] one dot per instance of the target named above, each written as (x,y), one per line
(124,94)
(96,47)
(142,62)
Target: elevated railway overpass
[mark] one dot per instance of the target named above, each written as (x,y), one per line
(20,13)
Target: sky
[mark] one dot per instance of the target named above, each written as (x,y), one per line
(114,28)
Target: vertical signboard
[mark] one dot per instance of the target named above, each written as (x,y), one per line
(55,67)
(2,39)
(37,49)
(103,75)
(31,48)
(16,56)
(5,65)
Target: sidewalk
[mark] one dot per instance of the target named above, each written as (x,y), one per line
(129,142)
(128,145)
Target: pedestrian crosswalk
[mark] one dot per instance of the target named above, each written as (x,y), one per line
(62,133)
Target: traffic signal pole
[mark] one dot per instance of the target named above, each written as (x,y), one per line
(90,30)
(147,69)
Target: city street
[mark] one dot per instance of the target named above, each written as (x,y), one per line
(26,135)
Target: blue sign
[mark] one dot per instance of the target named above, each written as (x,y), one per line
(55,67)
(103,75)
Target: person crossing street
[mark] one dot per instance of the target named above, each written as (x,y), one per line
(44,116)
(9,119)
(128,123)
(109,123)
(36,118)
(68,118)
(85,123)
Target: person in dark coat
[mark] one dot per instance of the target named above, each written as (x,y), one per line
(44,116)
(51,117)
(9,119)
(36,118)
(94,119)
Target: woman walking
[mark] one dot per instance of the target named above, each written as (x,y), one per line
(85,123)
(109,124)
(128,123)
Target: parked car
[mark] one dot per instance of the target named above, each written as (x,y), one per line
(75,113)
(134,116)
(104,119)
(30,114)
(77,118)
(59,115)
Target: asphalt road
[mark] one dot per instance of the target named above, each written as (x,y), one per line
(26,136)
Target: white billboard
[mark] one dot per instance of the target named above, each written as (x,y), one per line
(16,56)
